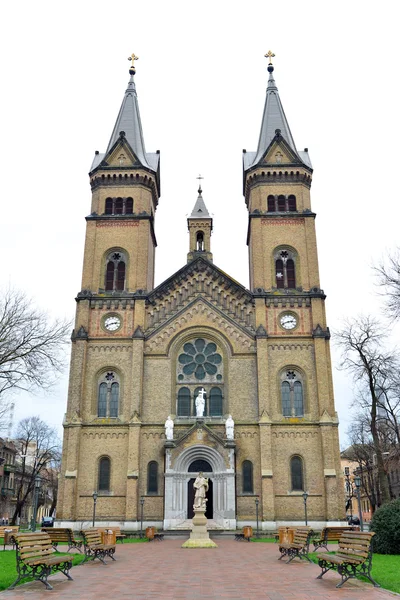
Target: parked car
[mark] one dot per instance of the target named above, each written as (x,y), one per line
(47,521)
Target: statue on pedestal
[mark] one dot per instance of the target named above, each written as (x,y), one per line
(169,428)
(201,487)
(200,403)
(229,428)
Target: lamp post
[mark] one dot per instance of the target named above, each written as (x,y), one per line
(349,490)
(94,496)
(141,515)
(357,483)
(38,483)
(305,496)
(257,503)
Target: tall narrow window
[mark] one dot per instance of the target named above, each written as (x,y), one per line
(115,272)
(247,472)
(215,402)
(152,477)
(104,474)
(129,206)
(119,206)
(109,206)
(296,473)
(183,409)
(271,203)
(102,401)
(108,400)
(285,269)
(292,394)
(200,241)
(292,203)
(281,203)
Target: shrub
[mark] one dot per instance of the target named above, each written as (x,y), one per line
(386,524)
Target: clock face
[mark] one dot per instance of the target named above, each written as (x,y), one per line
(288,321)
(112,323)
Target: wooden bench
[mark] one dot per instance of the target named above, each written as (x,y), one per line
(246,534)
(332,534)
(36,558)
(61,535)
(353,558)
(94,548)
(299,547)
(116,531)
(153,536)
(8,534)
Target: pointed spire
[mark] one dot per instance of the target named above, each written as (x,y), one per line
(200,210)
(128,121)
(273,117)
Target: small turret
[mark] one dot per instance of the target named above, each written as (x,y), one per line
(200,228)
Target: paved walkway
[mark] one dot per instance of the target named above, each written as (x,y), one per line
(164,570)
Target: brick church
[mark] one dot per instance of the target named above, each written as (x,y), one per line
(260,354)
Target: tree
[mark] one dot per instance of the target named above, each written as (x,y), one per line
(388,274)
(38,447)
(30,346)
(375,370)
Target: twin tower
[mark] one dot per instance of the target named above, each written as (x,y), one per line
(141,354)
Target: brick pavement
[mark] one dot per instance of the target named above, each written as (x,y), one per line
(234,570)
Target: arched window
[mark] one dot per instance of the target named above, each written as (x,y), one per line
(115,272)
(183,409)
(292,203)
(109,206)
(152,477)
(215,402)
(129,206)
(119,206)
(296,474)
(271,203)
(104,474)
(200,241)
(281,203)
(285,269)
(108,395)
(247,474)
(292,394)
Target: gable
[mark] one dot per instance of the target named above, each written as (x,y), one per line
(122,155)
(278,154)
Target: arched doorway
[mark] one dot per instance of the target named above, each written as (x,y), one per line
(197,466)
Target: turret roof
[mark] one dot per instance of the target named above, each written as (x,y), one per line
(200,210)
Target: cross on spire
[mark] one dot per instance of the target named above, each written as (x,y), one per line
(269,55)
(200,177)
(133,57)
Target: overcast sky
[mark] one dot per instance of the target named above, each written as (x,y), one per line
(201,79)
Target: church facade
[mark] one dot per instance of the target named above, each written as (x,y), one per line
(245,373)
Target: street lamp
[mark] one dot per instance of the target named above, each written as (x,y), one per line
(38,483)
(357,483)
(257,503)
(305,496)
(349,490)
(141,515)
(94,496)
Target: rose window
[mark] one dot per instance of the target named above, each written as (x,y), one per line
(200,358)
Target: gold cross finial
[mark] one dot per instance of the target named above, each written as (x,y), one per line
(269,55)
(133,57)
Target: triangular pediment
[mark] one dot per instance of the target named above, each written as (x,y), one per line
(121,155)
(200,292)
(200,433)
(279,152)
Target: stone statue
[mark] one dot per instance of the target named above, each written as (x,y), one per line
(200,403)
(169,428)
(229,428)
(201,487)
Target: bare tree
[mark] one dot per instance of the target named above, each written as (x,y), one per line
(388,274)
(38,446)
(30,346)
(362,341)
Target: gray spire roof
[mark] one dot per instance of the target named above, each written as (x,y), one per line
(200,210)
(273,118)
(128,120)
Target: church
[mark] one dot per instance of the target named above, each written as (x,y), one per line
(246,373)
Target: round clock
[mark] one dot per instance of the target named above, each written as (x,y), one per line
(288,321)
(112,323)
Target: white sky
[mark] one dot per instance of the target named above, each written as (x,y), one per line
(201,80)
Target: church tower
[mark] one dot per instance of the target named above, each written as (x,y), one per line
(295,387)
(200,373)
